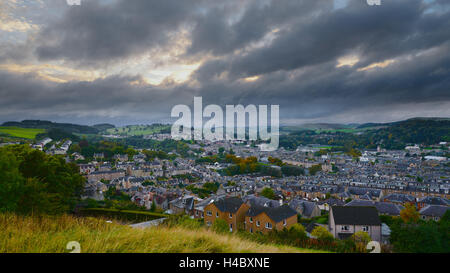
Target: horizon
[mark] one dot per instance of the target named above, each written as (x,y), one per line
(281,123)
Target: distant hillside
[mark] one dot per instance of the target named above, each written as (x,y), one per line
(43,124)
(418,130)
(103,126)
(395,135)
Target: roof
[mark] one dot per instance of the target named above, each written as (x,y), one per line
(434,210)
(276,214)
(435,200)
(307,207)
(231,204)
(382,207)
(355,215)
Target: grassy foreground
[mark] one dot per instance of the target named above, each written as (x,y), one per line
(50,234)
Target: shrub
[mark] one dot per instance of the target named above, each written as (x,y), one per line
(322,234)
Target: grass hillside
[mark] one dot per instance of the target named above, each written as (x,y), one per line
(27,133)
(50,234)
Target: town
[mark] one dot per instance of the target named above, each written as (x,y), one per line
(312,185)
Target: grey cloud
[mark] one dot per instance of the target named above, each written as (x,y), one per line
(94,32)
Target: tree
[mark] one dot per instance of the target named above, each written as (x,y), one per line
(153,207)
(268,193)
(361,238)
(322,234)
(314,169)
(33,182)
(409,214)
(298,231)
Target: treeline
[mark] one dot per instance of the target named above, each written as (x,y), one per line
(167,145)
(394,136)
(108,148)
(32,182)
(412,235)
(58,134)
(250,165)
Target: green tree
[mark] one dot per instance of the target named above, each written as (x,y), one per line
(322,234)
(268,193)
(315,169)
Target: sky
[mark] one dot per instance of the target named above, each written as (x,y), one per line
(131,61)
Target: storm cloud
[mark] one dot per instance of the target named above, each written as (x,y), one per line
(356,63)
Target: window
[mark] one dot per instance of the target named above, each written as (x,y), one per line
(231,215)
(268,225)
(345,228)
(209,213)
(251,220)
(231,227)
(365,228)
(257,223)
(284,222)
(251,230)
(217,214)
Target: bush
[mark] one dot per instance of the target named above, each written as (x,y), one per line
(361,240)
(322,234)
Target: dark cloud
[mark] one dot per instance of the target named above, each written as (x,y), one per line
(296,64)
(94,33)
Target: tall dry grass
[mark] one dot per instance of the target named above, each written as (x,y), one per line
(50,234)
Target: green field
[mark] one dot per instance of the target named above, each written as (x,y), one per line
(21,132)
(137,130)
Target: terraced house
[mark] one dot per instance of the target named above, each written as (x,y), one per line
(252,218)
(265,219)
(232,210)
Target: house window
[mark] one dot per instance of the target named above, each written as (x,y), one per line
(251,230)
(231,215)
(365,228)
(345,228)
(257,223)
(217,214)
(251,220)
(231,227)
(284,222)
(268,225)
(209,213)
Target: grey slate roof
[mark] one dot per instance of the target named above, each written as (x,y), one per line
(307,207)
(401,198)
(382,207)
(355,215)
(231,204)
(276,214)
(434,210)
(434,200)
